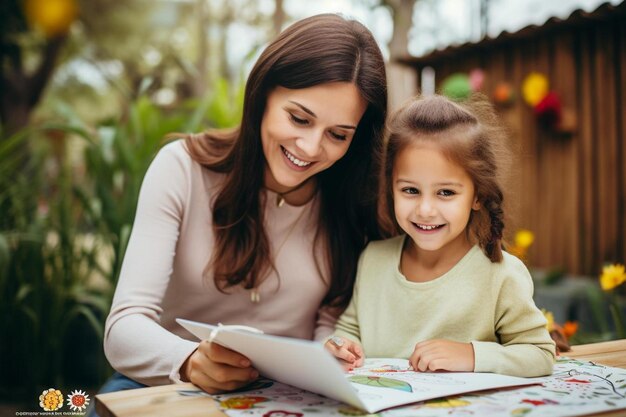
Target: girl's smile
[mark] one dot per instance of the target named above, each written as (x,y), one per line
(428,228)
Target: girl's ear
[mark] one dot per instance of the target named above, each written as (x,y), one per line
(476,204)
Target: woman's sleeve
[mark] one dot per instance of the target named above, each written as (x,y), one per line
(526,348)
(134,341)
(326,321)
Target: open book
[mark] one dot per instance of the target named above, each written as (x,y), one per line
(380,384)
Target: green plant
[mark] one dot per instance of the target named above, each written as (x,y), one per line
(606,304)
(64,230)
(44,296)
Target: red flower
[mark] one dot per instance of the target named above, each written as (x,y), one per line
(549,111)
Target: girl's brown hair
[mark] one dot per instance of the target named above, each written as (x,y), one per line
(469,134)
(320,49)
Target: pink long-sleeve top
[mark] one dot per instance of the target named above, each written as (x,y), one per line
(162,273)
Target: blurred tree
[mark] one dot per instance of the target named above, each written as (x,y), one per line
(27,62)
(95,55)
(401,80)
(402,15)
(484,17)
(279,16)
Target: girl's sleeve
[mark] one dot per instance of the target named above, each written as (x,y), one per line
(348,322)
(526,348)
(134,341)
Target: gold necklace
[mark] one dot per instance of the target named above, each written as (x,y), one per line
(280,197)
(255,296)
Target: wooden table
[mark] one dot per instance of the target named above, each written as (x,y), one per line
(165,400)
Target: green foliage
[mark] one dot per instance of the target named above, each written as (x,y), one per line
(68,195)
(607,310)
(12,20)
(45,296)
(554,276)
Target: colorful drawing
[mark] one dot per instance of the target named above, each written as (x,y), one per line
(281,413)
(379,381)
(390,368)
(241,403)
(544,401)
(577,381)
(351,411)
(447,403)
(575,388)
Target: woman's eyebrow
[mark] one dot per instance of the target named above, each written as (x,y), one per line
(309,111)
(305,109)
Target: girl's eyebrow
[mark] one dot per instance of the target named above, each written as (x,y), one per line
(449,184)
(439,184)
(310,112)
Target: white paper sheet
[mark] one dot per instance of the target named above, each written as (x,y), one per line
(381,384)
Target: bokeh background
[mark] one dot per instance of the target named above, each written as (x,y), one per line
(89,89)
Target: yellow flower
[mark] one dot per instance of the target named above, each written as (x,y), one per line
(524,238)
(534,88)
(612,276)
(52,17)
(549,318)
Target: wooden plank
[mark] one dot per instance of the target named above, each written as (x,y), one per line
(620,70)
(499,68)
(611,353)
(564,215)
(523,65)
(586,109)
(607,145)
(544,163)
(617,347)
(156,401)
(517,114)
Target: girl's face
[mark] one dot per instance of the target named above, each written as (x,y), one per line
(433,198)
(307,130)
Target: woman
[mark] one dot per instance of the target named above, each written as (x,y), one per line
(262,226)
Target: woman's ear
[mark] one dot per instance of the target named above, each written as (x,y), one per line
(476,204)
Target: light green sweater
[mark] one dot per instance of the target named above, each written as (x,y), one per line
(487,304)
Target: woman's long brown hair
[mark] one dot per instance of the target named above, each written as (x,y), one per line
(320,49)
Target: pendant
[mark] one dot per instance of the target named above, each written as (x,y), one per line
(280,200)
(255,297)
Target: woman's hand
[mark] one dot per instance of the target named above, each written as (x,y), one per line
(439,354)
(349,353)
(216,369)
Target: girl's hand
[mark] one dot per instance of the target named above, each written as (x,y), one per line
(446,355)
(349,353)
(215,369)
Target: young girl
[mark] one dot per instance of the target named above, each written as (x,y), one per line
(444,294)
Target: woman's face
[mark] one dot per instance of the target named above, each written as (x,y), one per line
(307,130)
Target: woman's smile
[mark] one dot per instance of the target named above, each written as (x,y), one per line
(294,162)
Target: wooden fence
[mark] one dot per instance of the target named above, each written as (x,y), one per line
(569,189)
